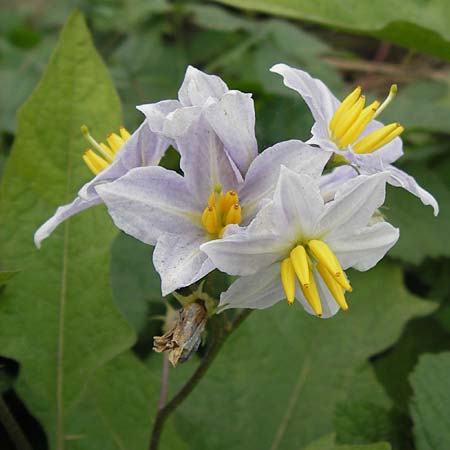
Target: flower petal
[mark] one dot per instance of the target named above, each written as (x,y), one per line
(198,86)
(143,148)
(156,113)
(233,119)
(363,248)
(245,252)
(297,204)
(258,291)
(205,163)
(318,97)
(332,181)
(179,261)
(62,214)
(148,201)
(401,179)
(354,204)
(264,171)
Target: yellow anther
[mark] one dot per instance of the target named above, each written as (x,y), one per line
(209,219)
(397,132)
(95,163)
(299,260)
(107,151)
(124,134)
(333,286)
(234,215)
(349,118)
(212,199)
(359,124)
(288,279)
(220,234)
(376,139)
(312,295)
(228,200)
(114,141)
(346,104)
(324,255)
(389,98)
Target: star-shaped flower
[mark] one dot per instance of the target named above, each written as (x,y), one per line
(298,246)
(350,131)
(179,213)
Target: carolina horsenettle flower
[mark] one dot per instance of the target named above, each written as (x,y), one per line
(350,131)
(298,246)
(179,213)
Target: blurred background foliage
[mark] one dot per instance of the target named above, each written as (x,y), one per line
(368,379)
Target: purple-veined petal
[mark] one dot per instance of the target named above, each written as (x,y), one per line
(264,171)
(258,291)
(179,260)
(354,204)
(143,148)
(401,179)
(149,201)
(233,119)
(297,205)
(198,87)
(205,163)
(156,113)
(317,96)
(363,248)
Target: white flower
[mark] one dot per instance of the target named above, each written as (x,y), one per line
(348,129)
(298,246)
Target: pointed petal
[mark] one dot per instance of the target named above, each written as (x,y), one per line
(245,252)
(61,214)
(354,204)
(233,119)
(332,181)
(258,291)
(298,204)
(198,86)
(148,201)
(365,247)
(317,96)
(143,148)
(401,179)
(179,261)
(156,113)
(264,171)
(205,163)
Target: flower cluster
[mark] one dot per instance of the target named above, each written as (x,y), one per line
(288,221)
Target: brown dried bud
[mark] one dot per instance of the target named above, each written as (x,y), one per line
(184,338)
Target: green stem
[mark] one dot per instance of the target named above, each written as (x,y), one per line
(12,427)
(220,335)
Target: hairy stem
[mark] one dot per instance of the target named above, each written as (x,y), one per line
(12,427)
(219,337)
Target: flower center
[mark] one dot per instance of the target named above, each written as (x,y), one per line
(105,153)
(301,263)
(222,210)
(351,117)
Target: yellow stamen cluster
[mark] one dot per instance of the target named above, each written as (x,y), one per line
(351,117)
(105,153)
(301,263)
(222,210)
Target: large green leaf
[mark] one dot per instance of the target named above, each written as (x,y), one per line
(327,443)
(277,380)
(404,22)
(58,318)
(430,406)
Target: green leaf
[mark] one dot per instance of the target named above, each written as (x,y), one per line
(7,275)
(404,22)
(277,380)
(430,407)
(421,233)
(327,443)
(58,318)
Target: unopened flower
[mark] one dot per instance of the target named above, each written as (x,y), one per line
(107,163)
(298,246)
(179,213)
(350,131)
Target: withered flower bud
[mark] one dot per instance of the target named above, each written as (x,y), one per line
(184,338)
